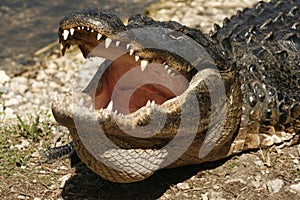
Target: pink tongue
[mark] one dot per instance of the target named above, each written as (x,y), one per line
(128,101)
(135,87)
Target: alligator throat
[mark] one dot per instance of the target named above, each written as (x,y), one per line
(126,80)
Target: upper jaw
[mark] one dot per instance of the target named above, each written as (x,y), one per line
(103,22)
(93,30)
(103,34)
(157,47)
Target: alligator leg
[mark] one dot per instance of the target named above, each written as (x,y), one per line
(67,150)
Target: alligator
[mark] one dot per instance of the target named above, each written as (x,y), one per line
(168,95)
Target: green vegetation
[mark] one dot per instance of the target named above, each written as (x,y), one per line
(33,127)
(233,164)
(265,155)
(20,138)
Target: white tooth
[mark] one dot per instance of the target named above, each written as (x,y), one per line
(82,27)
(110,106)
(127,46)
(131,51)
(92,30)
(80,102)
(117,43)
(169,71)
(116,112)
(153,103)
(99,36)
(148,103)
(78,28)
(144,64)
(72,31)
(101,110)
(88,29)
(107,42)
(137,58)
(166,67)
(66,34)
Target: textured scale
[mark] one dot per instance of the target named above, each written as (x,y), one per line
(266,45)
(59,152)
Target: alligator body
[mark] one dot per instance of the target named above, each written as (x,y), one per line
(235,89)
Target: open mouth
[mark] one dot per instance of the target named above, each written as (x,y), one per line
(146,96)
(137,75)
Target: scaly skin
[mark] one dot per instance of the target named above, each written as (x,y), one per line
(253,59)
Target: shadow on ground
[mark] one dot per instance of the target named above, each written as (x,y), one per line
(87,185)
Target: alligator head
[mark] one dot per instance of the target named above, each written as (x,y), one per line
(162,98)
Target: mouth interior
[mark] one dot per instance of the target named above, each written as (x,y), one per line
(130,81)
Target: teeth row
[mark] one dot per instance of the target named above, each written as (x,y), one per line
(66,33)
(150,104)
(82,103)
(109,108)
(108,42)
(169,70)
(144,63)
